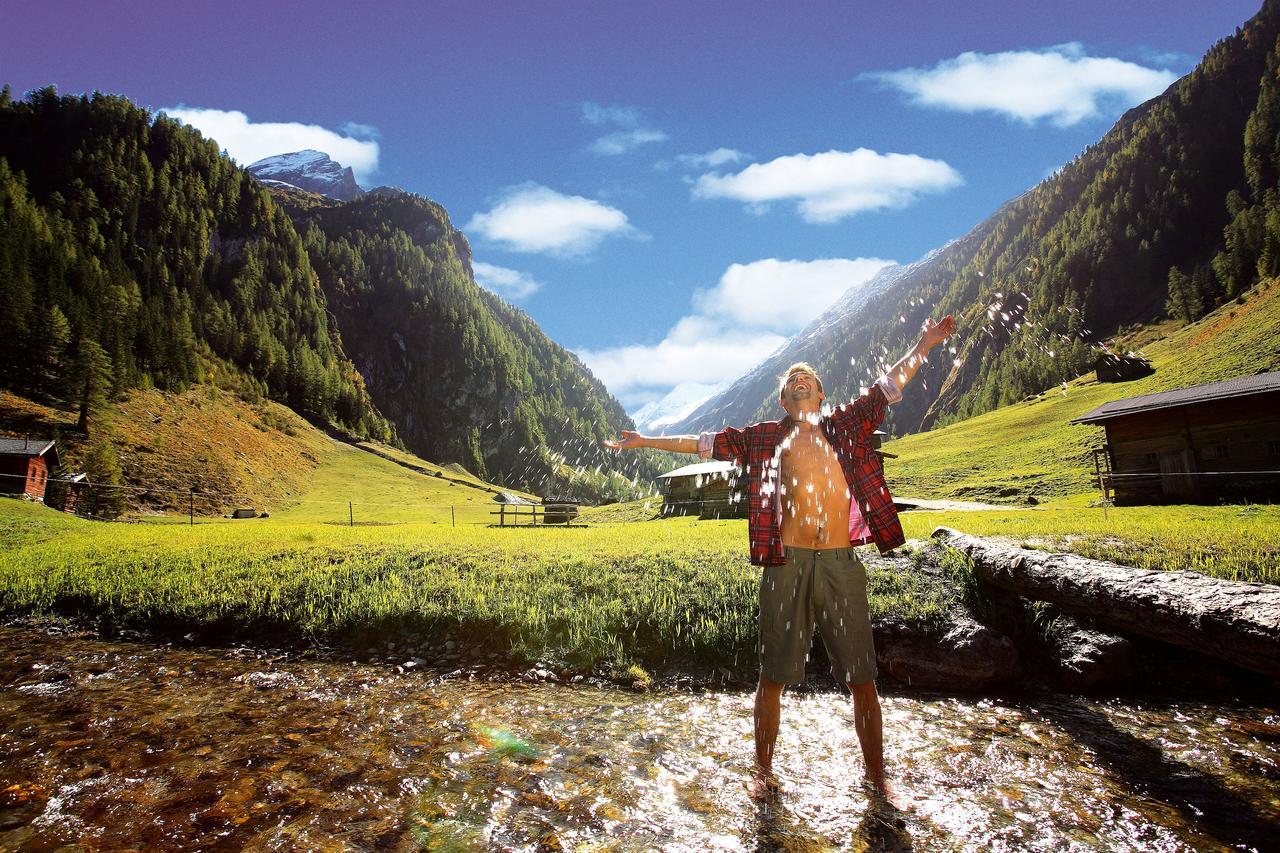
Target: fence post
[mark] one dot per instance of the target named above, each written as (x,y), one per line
(453,516)
(351,516)
(191,507)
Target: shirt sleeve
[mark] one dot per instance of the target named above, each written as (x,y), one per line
(727,445)
(866,412)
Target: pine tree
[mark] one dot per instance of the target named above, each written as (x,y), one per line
(54,335)
(1184,301)
(90,381)
(102,468)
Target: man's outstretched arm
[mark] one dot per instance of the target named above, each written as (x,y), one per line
(865,412)
(674,443)
(933,334)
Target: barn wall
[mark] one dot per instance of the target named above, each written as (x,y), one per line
(15,470)
(1171,446)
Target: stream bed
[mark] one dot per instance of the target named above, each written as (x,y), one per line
(107,745)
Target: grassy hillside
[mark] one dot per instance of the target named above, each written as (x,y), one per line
(1030,450)
(236,453)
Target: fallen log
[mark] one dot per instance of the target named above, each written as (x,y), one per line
(1230,620)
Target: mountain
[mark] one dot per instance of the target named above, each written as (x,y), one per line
(753,397)
(465,377)
(308,170)
(1174,210)
(677,404)
(134,255)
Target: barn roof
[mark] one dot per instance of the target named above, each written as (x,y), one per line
(713,467)
(1241,386)
(25,447)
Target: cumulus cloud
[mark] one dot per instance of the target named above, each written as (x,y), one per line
(708,160)
(533,218)
(735,325)
(1059,84)
(829,186)
(631,131)
(249,141)
(355,128)
(783,295)
(511,284)
(622,141)
(600,114)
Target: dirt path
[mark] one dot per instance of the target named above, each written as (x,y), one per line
(945,506)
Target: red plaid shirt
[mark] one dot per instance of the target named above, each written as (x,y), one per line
(848,429)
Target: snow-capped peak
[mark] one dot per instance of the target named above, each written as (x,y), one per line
(311,170)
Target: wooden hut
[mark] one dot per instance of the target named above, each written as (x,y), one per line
(705,489)
(25,465)
(66,492)
(1218,441)
(559,509)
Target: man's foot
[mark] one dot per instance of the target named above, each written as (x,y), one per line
(882,792)
(763,785)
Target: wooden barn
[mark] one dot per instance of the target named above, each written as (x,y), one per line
(66,492)
(25,466)
(1219,441)
(703,489)
(559,509)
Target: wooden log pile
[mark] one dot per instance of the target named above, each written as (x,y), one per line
(1230,620)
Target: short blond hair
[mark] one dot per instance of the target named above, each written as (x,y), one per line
(799,367)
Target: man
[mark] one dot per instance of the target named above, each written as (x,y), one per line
(815,490)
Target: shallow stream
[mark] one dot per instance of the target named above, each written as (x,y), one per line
(114,744)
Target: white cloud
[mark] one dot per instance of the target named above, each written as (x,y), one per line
(783,295)
(533,218)
(622,141)
(632,129)
(355,128)
(1059,84)
(247,141)
(734,326)
(627,371)
(708,160)
(508,283)
(833,184)
(600,114)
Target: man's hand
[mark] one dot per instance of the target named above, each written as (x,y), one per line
(674,443)
(627,441)
(936,332)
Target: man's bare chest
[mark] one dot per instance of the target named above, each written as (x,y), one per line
(808,460)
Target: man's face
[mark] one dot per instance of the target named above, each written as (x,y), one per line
(800,388)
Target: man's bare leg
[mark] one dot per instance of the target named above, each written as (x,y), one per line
(768,712)
(868,724)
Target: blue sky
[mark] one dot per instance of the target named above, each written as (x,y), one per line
(668,188)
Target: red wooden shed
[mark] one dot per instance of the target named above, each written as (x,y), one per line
(25,465)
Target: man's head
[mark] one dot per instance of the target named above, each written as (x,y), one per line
(800,389)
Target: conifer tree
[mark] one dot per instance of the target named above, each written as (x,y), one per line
(90,381)
(1184,301)
(102,499)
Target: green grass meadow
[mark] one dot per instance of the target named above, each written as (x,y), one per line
(664,591)
(624,588)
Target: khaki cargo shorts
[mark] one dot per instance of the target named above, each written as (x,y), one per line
(828,587)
